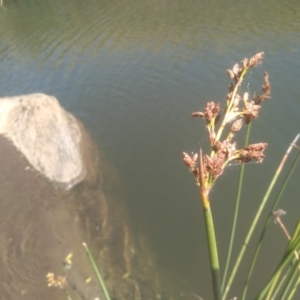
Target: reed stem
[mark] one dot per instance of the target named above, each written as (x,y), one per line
(101,281)
(210,234)
(257,217)
(236,211)
(277,199)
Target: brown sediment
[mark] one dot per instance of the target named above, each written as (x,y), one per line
(42,223)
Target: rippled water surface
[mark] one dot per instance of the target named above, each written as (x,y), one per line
(133,71)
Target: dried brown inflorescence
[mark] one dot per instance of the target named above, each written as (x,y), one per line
(254,151)
(192,164)
(236,126)
(250,111)
(237,108)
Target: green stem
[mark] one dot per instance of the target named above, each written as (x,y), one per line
(210,233)
(67,295)
(255,221)
(292,279)
(293,246)
(283,281)
(289,254)
(236,210)
(213,253)
(269,219)
(296,268)
(293,291)
(101,281)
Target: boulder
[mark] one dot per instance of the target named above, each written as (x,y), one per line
(47,135)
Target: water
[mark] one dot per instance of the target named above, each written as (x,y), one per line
(133,72)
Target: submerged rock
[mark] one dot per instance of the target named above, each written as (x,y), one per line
(47,135)
(42,224)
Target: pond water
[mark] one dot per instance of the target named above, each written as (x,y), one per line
(132,72)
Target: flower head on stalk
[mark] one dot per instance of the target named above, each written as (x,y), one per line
(238,107)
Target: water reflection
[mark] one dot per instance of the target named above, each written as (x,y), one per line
(58,31)
(133,72)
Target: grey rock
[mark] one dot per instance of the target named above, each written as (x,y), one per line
(47,135)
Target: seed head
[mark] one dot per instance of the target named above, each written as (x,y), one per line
(250,111)
(236,126)
(198,114)
(256,59)
(189,162)
(254,151)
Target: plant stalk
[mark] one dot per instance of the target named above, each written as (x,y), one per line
(277,199)
(257,217)
(101,281)
(210,234)
(236,211)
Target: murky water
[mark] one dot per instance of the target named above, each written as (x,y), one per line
(133,72)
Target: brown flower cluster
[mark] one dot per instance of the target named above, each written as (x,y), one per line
(254,151)
(210,113)
(224,152)
(56,281)
(266,87)
(251,109)
(213,166)
(192,164)
(236,126)
(237,70)
(237,108)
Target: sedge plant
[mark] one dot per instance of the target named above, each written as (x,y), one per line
(222,126)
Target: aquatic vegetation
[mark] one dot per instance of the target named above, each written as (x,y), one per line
(222,125)
(237,107)
(241,109)
(61,282)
